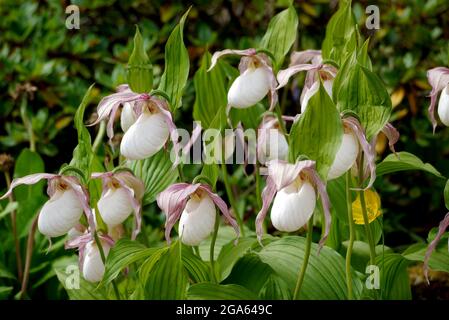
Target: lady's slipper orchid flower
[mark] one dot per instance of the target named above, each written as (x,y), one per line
(68,200)
(312,62)
(439,80)
(194,205)
(293,188)
(256,78)
(90,261)
(271,142)
(122,194)
(148,134)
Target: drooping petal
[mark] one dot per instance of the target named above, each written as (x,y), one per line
(284,75)
(306,56)
(441,229)
(438,78)
(30,179)
(222,207)
(266,64)
(368,150)
(172,202)
(268,194)
(217,55)
(392,135)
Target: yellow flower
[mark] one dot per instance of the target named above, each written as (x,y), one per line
(372,201)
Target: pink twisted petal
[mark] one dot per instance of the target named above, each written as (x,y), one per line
(30,179)
(441,229)
(217,55)
(392,135)
(438,78)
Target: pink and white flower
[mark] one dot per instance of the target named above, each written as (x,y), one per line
(255,81)
(68,200)
(194,205)
(439,80)
(271,142)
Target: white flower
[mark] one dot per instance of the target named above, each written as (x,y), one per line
(146,136)
(345,157)
(249,88)
(274,147)
(443,106)
(93,267)
(60,213)
(293,206)
(115,206)
(197,220)
(127,117)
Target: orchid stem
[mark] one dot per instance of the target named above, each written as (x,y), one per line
(281,121)
(369,235)
(99,137)
(29,254)
(351,236)
(231,198)
(14,231)
(212,248)
(103,259)
(302,273)
(180,173)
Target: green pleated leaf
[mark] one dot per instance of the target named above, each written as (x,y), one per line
(439,260)
(168,279)
(72,281)
(210,92)
(156,172)
(177,65)
(29,197)
(211,291)
(281,34)
(403,162)
(83,154)
(275,289)
(225,235)
(341,34)
(140,71)
(121,255)
(196,268)
(325,275)
(230,253)
(363,92)
(318,133)
(249,117)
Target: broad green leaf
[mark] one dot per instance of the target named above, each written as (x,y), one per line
(210,92)
(225,235)
(140,71)
(336,190)
(71,279)
(250,272)
(177,65)
(361,253)
(275,289)
(156,172)
(5,273)
(281,34)
(211,171)
(231,252)
(30,198)
(342,34)
(249,117)
(402,162)
(318,133)
(325,275)
(83,154)
(121,255)
(168,279)
(439,260)
(10,207)
(197,269)
(363,92)
(211,291)
(5,292)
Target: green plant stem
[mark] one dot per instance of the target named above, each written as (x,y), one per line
(351,236)
(29,254)
(231,198)
(103,259)
(14,231)
(180,173)
(281,121)
(212,248)
(99,137)
(369,235)
(302,272)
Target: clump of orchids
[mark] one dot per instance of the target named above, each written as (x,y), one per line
(68,199)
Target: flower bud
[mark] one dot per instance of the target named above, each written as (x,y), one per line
(443,106)
(293,206)
(345,157)
(197,220)
(140,71)
(249,88)
(145,137)
(127,117)
(60,213)
(93,266)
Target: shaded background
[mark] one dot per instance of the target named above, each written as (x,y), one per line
(45,69)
